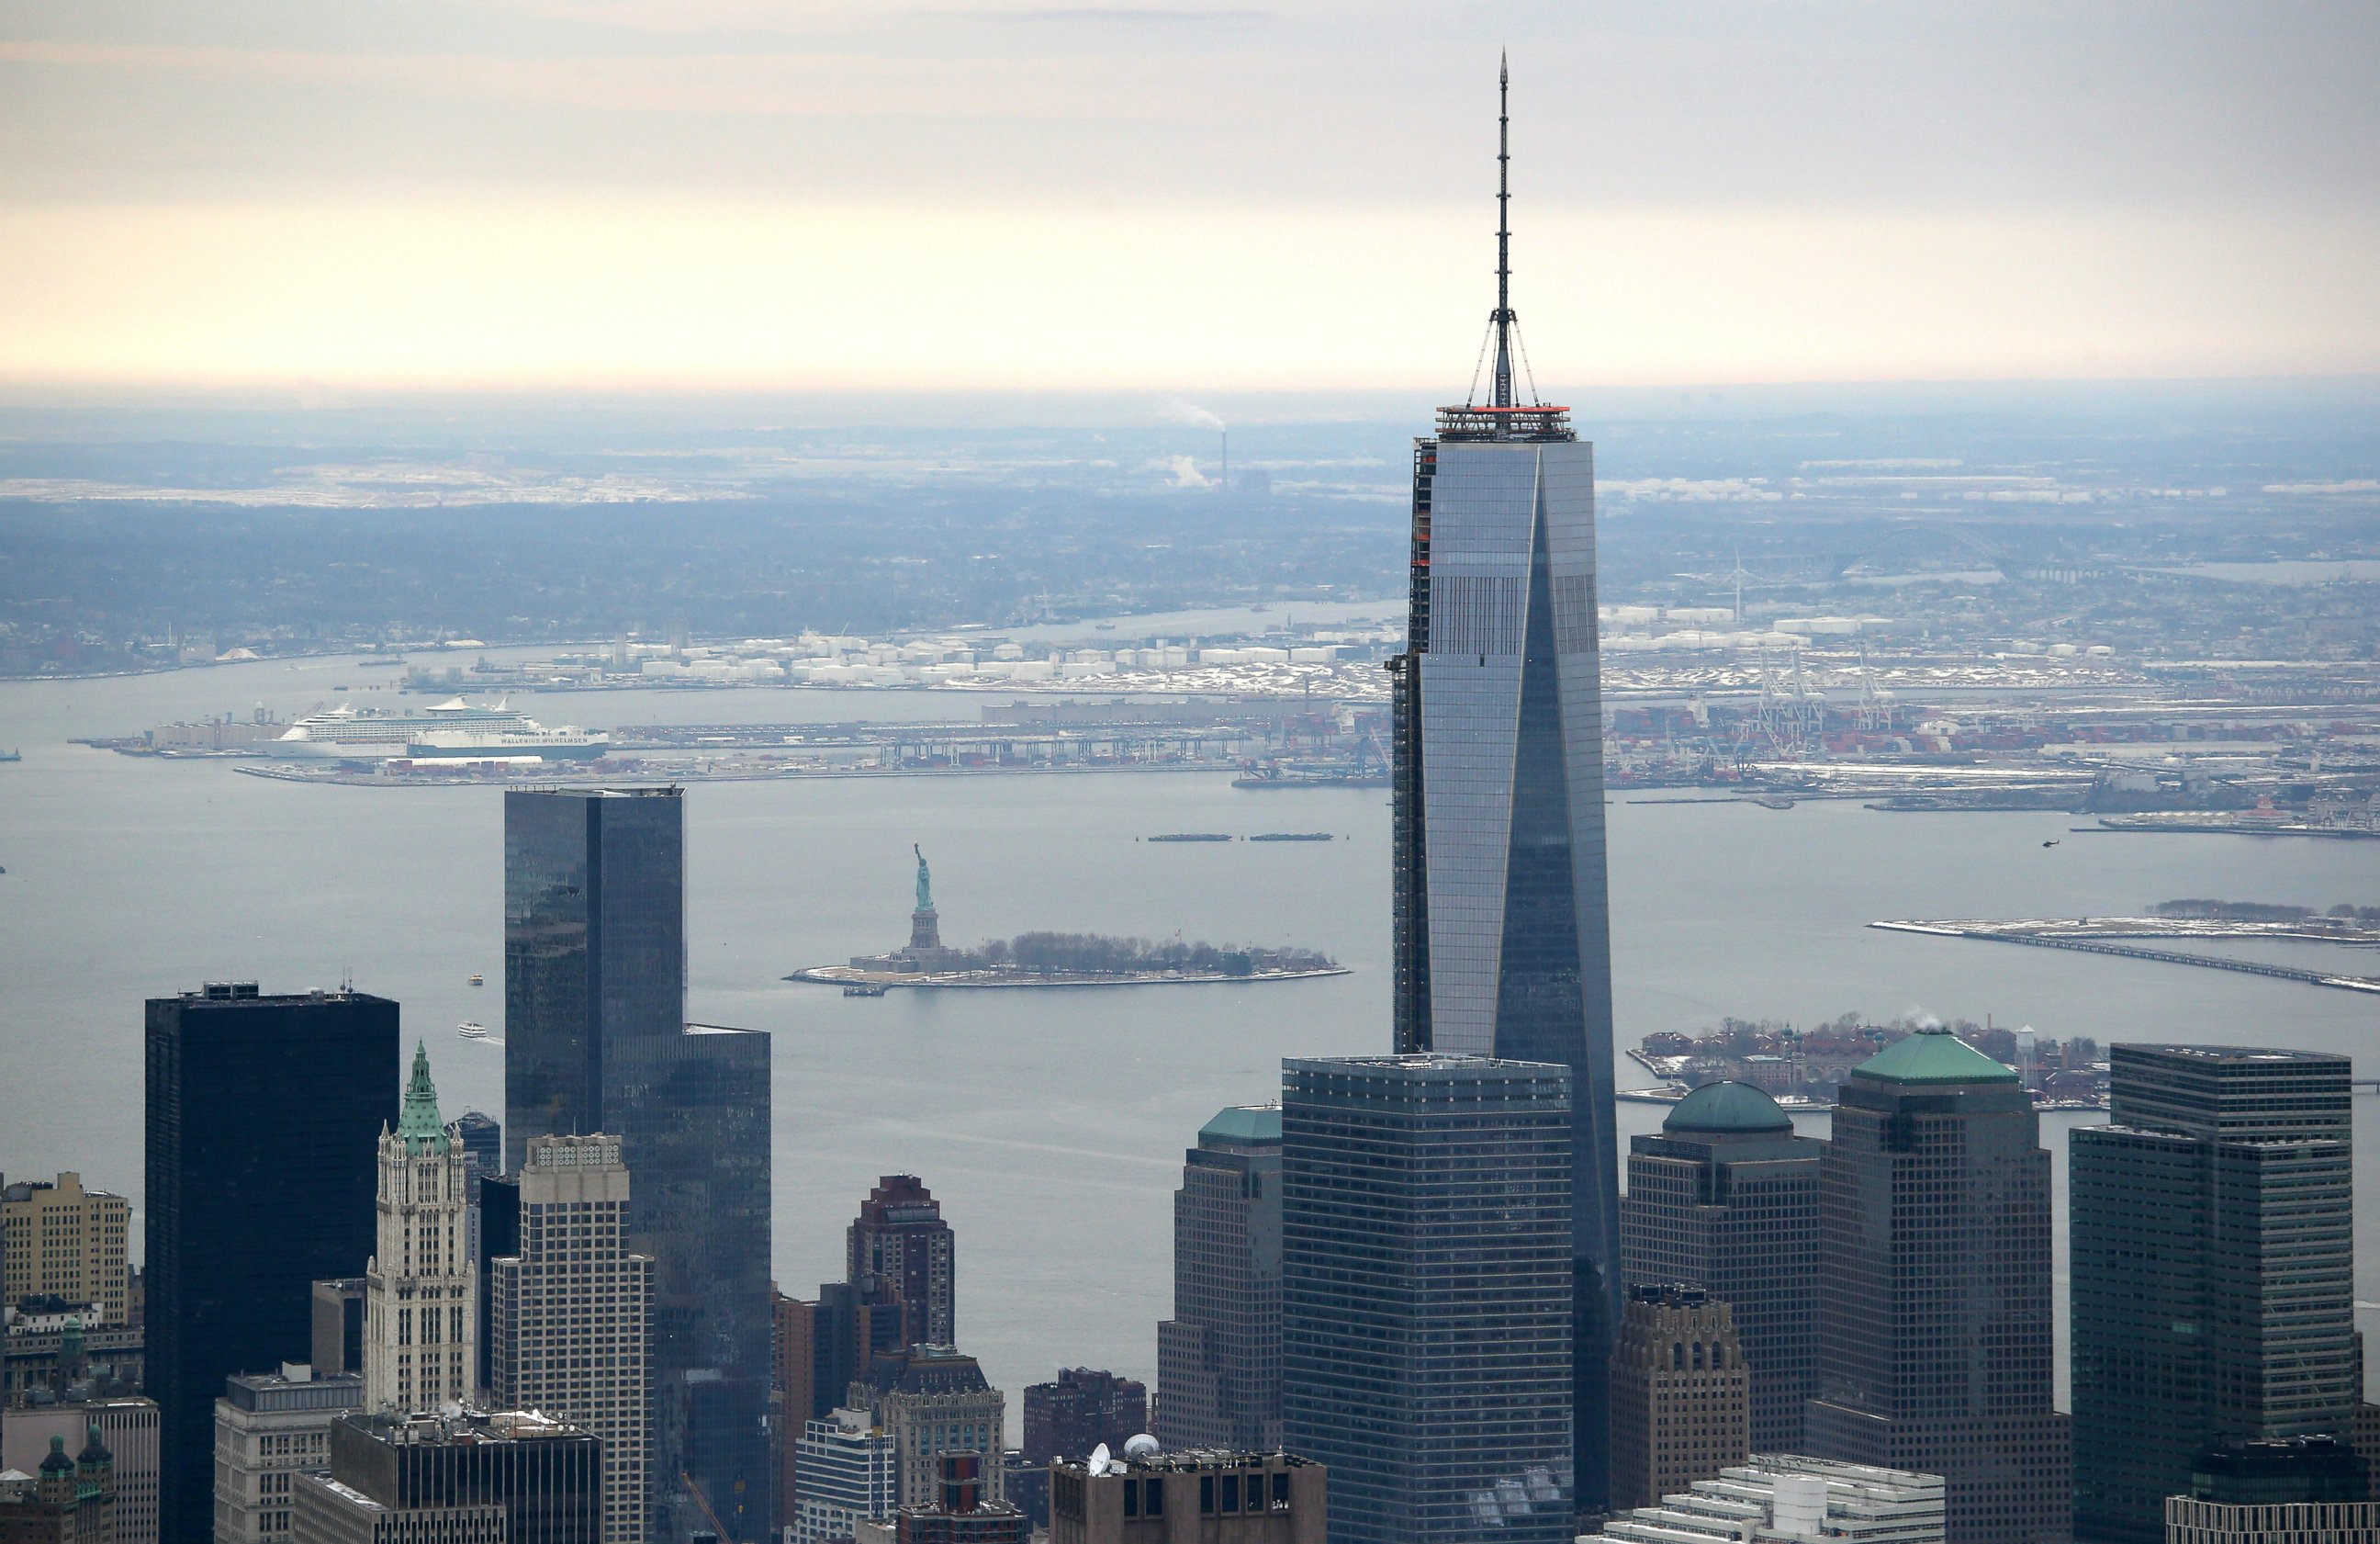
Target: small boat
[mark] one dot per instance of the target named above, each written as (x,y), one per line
(476,979)
(472,1030)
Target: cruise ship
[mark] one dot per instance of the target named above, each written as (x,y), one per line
(450,730)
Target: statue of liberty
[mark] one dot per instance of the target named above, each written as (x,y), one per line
(925,880)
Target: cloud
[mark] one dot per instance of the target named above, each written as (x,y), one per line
(1184,471)
(1178,411)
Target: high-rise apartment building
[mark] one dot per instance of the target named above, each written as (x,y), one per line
(2213,1267)
(262,1116)
(60,1240)
(1936,1323)
(495,1233)
(1790,1498)
(421,1314)
(1500,910)
(271,1427)
(900,1250)
(1727,1197)
(1681,1394)
(1218,1357)
(511,1477)
(1425,1294)
(1079,1409)
(932,1399)
(849,1471)
(573,1320)
(596,1040)
(1210,1496)
(128,1429)
(793,1393)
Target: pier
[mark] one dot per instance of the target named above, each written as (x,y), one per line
(2065,935)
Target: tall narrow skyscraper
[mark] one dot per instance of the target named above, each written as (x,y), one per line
(1501,932)
(1727,1197)
(2212,1222)
(421,1313)
(900,1250)
(1935,1324)
(1218,1357)
(573,1318)
(1425,1294)
(596,1040)
(261,1116)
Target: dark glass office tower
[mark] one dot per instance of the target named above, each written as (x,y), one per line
(1501,911)
(1934,1326)
(1426,1295)
(2214,1258)
(596,1039)
(1727,1197)
(264,1116)
(1218,1357)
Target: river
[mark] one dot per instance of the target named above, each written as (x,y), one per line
(1050,1124)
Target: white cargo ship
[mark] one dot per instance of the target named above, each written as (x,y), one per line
(450,730)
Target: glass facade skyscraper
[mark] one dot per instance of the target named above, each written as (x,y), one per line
(1502,942)
(2214,1261)
(1425,1294)
(263,1120)
(1935,1324)
(596,1040)
(1218,1357)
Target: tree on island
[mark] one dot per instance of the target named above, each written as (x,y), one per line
(1051,953)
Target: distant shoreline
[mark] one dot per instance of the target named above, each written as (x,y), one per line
(846,975)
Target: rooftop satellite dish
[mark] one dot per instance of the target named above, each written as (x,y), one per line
(1143,1446)
(1097,1463)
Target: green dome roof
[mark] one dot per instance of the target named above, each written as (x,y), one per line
(1934,1056)
(1736,1108)
(1245,1124)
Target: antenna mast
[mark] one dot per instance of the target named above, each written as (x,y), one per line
(1502,320)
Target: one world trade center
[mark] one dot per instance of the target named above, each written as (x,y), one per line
(1502,937)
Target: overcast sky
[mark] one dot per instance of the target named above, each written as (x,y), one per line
(968,193)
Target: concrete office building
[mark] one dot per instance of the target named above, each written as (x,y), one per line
(128,1429)
(263,1114)
(932,1399)
(60,1240)
(421,1315)
(1727,1197)
(1425,1293)
(573,1317)
(1790,1498)
(2214,1268)
(849,1471)
(900,1250)
(1500,909)
(1218,1357)
(338,1340)
(509,1477)
(793,1393)
(1079,1409)
(1681,1394)
(271,1427)
(596,1040)
(1203,1497)
(1934,1193)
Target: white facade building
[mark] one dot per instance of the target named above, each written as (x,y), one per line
(572,1320)
(848,1471)
(269,1428)
(1788,1498)
(422,1329)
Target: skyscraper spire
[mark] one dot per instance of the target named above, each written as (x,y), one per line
(1503,322)
(418,1123)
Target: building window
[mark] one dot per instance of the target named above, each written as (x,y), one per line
(1231,1492)
(1156,1507)
(1280,1491)
(1206,1495)
(1130,1499)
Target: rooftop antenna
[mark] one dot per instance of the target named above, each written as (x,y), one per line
(1502,320)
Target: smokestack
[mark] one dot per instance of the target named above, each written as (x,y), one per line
(1226,482)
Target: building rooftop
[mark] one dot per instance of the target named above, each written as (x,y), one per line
(1932,1056)
(1245,1123)
(1721,1108)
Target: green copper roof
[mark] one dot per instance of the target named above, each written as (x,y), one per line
(1245,1123)
(1934,1056)
(1728,1107)
(419,1124)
